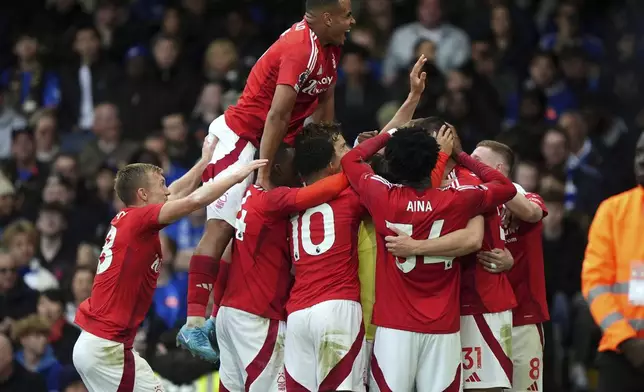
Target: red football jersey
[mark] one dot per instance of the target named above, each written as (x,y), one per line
(126,277)
(482,291)
(297,59)
(260,272)
(526,276)
(325,252)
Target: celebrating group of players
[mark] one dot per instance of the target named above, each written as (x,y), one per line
(451,311)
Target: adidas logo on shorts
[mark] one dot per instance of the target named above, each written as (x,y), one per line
(473,378)
(534,387)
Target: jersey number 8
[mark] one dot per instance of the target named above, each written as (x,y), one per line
(328,226)
(410,262)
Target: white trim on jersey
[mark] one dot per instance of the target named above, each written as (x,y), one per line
(314,53)
(380,179)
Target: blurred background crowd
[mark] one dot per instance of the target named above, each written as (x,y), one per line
(87,86)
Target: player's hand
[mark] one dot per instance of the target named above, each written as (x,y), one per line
(417,77)
(458,148)
(401,245)
(367,135)
(208,148)
(445,139)
(495,261)
(633,350)
(243,171)
(509,221)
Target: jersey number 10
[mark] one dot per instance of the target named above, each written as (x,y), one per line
(410,262)
(328,228)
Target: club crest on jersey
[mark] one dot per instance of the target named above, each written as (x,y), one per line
(302,79)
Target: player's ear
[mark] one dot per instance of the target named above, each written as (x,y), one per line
(142,194)
(326,17)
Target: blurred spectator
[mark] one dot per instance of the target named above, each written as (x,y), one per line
(221,65)
(583,178)
(137,97)
(187,232)
(13,376)
(109,146)
(453,45)
(544,77)
(358,95)
(209,107)
(569,33)
(81,287)
(529,128)
(70,380)
(10,120)
(555,149)
(380,16)
(62,335)
(509,42)
(85,82)
(36,354)
(578,72)
(23,170)
(54,253)
(29,85)
(8,207)
(45,127)
(16,299)
(527,174)
(21,239)
(181,147)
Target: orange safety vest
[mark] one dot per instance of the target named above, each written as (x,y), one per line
(614,257)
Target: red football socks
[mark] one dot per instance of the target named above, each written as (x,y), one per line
(201,277)
(220,286)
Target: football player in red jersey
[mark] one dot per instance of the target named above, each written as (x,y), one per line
(251,319)
(417,344)
(523,239)
(293,80)
(128,269)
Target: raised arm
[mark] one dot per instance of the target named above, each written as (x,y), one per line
(458,243)
(275,129)
(294,71)
(208,193)
(417,85)
(498,189)
(187,184)
(353,163)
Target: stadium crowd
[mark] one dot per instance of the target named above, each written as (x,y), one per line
(88,86)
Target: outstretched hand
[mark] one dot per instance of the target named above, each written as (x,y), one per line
(208,148)
(417,77)
(243,171)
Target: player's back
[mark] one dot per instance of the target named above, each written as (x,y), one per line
(126,276)
(259,276)
(527,275)
(418,294)
(482,291)
(297,59)
(325,252)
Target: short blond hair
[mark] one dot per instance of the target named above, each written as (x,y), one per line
(132,177)
(31,324)
(16,228)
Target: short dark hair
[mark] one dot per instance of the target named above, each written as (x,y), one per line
(132,177)
(314,5)
(53,207)
(429,124)
(314,147)
(411,155)
(54,295)
(502,149)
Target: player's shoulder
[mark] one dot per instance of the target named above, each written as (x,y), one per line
(300,36)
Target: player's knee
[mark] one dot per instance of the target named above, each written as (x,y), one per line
(216,236)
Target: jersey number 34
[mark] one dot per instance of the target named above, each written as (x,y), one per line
(410,262)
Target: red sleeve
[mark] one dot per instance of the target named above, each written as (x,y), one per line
(371,188)
(148,217)
(295,67)
(495,190)
(439,169)
(536,199)
(285,201)
(220,286)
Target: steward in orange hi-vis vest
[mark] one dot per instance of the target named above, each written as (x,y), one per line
(613,284)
